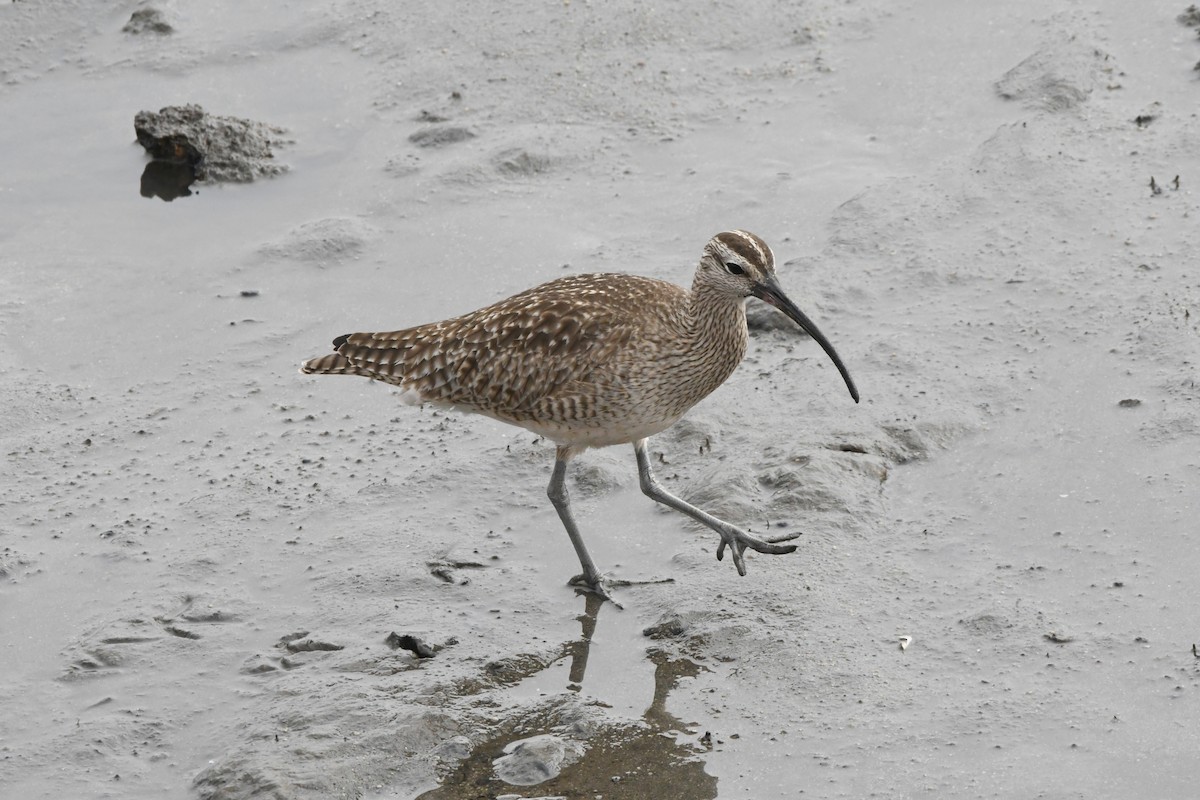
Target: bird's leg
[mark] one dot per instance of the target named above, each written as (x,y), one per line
(732,537)
(557,492)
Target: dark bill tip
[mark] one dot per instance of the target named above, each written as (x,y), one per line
(770,292)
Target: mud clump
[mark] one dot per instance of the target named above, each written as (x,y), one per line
(217,149)
(671,627)
(1055,78)
(148,20)
(413,644)
(440,136)
(520,163)
(323,242)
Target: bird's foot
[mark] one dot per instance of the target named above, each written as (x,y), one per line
(598,586)
(738,540)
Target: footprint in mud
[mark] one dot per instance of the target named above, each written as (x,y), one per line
(122,642)
(300,648)
(289,645)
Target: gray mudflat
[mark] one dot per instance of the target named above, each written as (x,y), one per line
(204,555)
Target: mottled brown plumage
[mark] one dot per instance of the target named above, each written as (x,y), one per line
(588,360)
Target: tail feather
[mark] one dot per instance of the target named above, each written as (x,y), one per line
(356,360)
(332,364)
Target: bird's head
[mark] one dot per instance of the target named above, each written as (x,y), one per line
(740,264)
(734,262)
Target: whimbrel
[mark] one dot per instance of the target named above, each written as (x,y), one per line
(591,361)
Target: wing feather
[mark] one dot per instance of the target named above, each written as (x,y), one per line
(550,351)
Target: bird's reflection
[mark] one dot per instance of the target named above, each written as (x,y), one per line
(578,650)
(667,670)
(651,764)
(656,757)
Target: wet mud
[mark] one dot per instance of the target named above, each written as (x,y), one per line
(222,579)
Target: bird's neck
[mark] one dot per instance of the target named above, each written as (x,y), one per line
(705,342)
(715,319)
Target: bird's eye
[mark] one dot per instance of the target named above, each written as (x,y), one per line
(734,269)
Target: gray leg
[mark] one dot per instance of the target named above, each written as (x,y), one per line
(732,537)
(557,492)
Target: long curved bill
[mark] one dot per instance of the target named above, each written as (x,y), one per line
(770,292)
